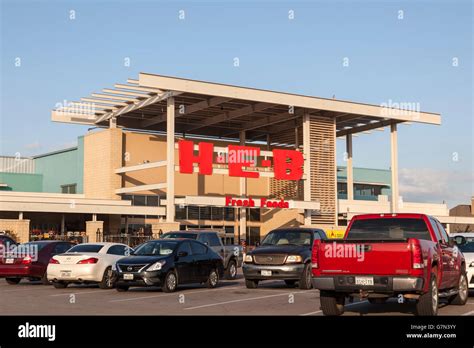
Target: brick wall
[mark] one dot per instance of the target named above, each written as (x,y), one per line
(102,155)
(21,228)
(91,230)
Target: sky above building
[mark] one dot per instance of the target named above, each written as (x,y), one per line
(413,52)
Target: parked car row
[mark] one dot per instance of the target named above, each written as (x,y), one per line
(407,256)
(177,258)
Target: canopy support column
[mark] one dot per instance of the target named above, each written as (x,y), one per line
(170,119)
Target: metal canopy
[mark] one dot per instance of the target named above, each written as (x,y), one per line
(212,109)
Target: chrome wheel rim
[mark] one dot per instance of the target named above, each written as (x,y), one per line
(233,270)
(171,281)
(463,287)
(434,294)
(109,279)
(213,278)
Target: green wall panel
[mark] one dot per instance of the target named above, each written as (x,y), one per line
(21,182)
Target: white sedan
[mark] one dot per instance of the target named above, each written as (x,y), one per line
(468,251)
(87,263)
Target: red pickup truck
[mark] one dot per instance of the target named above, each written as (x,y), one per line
(408,256)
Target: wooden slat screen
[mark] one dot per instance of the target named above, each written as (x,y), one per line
(323,168)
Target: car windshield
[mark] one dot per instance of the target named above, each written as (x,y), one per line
(156,248)
(467,247)
(389,228)
(179,235)
(287,237)
(86,248)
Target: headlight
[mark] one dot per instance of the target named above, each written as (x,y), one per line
(472,264)
(248,258)
(156,266)
(293,259)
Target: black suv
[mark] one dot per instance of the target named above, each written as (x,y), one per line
(168,263)
(284,254)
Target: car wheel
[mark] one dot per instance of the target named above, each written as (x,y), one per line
(108,280)
(44,279)
(231,271)
(331,303)
(213,279)
(463,292)
(251,284)
(171,282)
(305,280)
(427,304)
(60,285)
(122,288)
(13,281)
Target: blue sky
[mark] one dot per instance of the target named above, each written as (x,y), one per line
(402,60)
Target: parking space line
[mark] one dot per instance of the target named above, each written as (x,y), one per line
(310,313)
(347,305)
(175,293)
(469,313)
(235,301)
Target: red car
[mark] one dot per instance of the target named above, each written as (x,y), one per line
(30,260)
(408,256)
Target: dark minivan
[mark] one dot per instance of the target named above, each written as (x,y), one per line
(169,263)
(284,254)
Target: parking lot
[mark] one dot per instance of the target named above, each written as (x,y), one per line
(230,298)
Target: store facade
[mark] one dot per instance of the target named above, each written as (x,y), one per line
(172,153)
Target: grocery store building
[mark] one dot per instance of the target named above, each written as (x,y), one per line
(170,153)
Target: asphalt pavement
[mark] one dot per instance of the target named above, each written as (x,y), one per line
(231,297)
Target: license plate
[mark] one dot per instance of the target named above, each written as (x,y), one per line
(128,276)
(9,261)
(65,274)
(364,280)
(267,273)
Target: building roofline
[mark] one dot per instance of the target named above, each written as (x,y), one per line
(367,168)
(54,152)
(140,96)
(270,91)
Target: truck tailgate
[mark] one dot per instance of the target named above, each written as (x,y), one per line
(364,257)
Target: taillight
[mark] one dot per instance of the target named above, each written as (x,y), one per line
(416,254)
(88,261)
(315,254)
(53,260)
(26,260)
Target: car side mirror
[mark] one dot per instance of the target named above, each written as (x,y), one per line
(182,253)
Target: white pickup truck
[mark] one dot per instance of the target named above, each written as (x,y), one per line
(231,253)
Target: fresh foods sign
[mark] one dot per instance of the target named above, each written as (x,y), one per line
(287,164)
(250,202)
